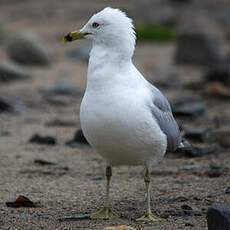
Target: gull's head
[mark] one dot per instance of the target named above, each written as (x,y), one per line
(110,28)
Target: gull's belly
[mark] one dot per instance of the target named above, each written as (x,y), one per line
(122,132)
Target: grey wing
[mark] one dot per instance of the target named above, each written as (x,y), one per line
(162,112)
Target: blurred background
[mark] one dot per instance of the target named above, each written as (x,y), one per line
(183,48)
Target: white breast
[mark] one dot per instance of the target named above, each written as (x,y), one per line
(117,124)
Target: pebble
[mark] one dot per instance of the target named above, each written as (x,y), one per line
(188,107)
(45,140)
(10,71)
(215,170)
(62,87)
(197,151)
(28,49)
(198,134)
(121,227)
(78,138)
(11,105)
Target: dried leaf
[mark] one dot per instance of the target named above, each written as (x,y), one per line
(21,201)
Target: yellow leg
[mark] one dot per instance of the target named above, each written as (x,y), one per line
(148,215)
(106,212)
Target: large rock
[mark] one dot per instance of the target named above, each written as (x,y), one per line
(218,217)
(27,49)
(199,40)
(198,49)
(11,72)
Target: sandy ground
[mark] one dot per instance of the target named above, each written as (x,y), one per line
(75,184)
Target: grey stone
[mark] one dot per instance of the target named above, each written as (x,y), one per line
(199,40)
(218,217)
(197,49)
(28,49)
(78,138)
(10,72)
(11,105)
(63,87)
(188,107)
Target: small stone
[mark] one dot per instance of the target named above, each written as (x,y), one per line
(11,105)
(75,218)
(27,49)
(227,190)
(198,134)
(60,123)
(215,170)
(46,140)
(63,87)
(189,224)
(197,151)
(12,72)
(188,107)
(218,217)
(121,227)
(43,162)
(78,138)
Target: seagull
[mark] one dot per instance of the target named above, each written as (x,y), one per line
(125,119)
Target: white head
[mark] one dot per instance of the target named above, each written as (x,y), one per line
(109,28)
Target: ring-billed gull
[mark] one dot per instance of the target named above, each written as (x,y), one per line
(125,118)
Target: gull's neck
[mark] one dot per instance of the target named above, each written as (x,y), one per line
(107,67)
(110,54)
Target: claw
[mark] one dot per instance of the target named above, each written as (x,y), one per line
(104,213)
(149,217)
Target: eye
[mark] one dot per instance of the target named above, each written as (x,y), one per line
(95,25)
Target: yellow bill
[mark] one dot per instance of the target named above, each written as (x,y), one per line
(75,35)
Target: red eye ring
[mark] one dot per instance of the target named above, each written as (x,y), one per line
(95,25)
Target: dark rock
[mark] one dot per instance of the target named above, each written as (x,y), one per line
(188,224)
(218,217)
(222,136)
(62,87)
(43,162)
(218,75)
(215,170)
(227,190)
(58,100)
(60,123)
(11,72)
(188,107)
(46,140)
(80,53)
(198,134)
(185,211)
(198,48)
(75,218)
(27,49)
(11,105)
(189,211)
(78,138)
(197,151)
